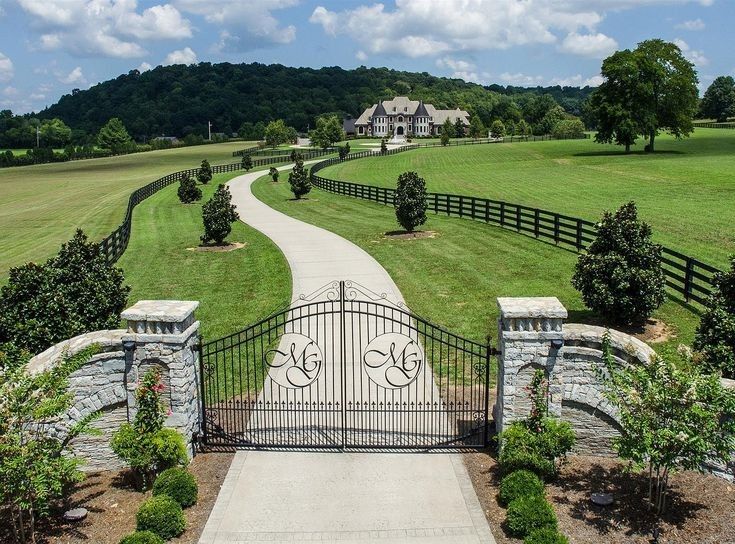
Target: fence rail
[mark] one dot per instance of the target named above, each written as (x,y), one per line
(684,274)
(702,124)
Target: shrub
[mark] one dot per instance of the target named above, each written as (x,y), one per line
(344,150)
(445,138)
(161,515)
(514,460)
(188,191)
(247,162)
(536,451)
(568,128)
(273,173)
(545,535)
(142,537)
(218,214)
(299,179)
(204,175)
(76,291)
(383,146)
(526,514)
(177,483)
(620,275)
(410,201)
(715,337)
(520,483)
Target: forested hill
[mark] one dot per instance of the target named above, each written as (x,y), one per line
(178,100)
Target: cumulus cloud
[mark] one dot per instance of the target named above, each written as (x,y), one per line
(102,27)
(438,27)
(144,67)
(245,24)
(694,55)
(524,80)
(181,56)
(361,55)
(694,25)
(463,69)
(6,68)
(75,77)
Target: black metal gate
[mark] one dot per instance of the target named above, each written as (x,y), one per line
(345,368)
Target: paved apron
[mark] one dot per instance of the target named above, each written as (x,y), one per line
(347,497)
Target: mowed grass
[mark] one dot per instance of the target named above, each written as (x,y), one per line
(234,288)
(42,205)
(454,278)
(686,190)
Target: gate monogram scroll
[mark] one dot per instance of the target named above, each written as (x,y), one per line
(393,360)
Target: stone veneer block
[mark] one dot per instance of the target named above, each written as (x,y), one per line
(531,308)
(160,316)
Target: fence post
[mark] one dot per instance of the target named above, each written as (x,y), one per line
(556,228)
(688,279)
(535,221)
(579,235)
(502,214)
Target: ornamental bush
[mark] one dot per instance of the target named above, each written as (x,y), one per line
(247,162)
(142,537)
(620,276)
(344,150)
(512,460)
(161,515)
(177,483)
(218,214)
(715,337)
(536,450)
(545,535)
(410,201)
(520,483)
(273,173)
(383,146)
(528,513)
(188,191)
(299,179)
(204,175)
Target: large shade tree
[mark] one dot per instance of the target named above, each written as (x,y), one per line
(328,131)
(718,101)
(647,90)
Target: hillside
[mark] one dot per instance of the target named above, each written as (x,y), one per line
(178,100)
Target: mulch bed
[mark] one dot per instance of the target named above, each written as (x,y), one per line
(224,248)
(415,235)
(113,502)
(701,508)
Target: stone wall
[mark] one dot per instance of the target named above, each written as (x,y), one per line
(160,333)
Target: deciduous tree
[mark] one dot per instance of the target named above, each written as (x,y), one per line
(328,131)
(718,102)
(114,136)
(276,133)
(497,129)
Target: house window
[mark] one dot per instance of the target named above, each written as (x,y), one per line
(361,130)
(400,119)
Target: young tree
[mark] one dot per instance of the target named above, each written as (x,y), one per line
(647,90)
(410,201)
(718,101)
(36,468)
(715,337)
(497,129)
(568,128)
(672,416)
(247,162)
(276,133)
(459,128)
(204,175)
(273,173)
(299,179)
(114,136)
(522,128)
(383,147)
(444,139)
(188,191)
(448,128)
(218,214)
(344,150)
(477,129)
(76,291)
(328,131)
(620,275)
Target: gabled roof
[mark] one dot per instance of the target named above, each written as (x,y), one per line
(366,115)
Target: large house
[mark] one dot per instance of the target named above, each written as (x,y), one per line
(402,117)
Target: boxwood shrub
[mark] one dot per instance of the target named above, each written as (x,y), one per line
(161,515)
(142,537)
(546,535)
(177,483)
(528,513)
(521,483)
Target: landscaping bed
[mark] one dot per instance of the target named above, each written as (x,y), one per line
(701,508)
(112,502)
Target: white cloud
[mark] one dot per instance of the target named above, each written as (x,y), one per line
(144,67)
(437,27)
(694,55)
(525,80)
(6,68)
(695,24)
(361,55)
(596,46)
(75,77)
(109,28)
(462,69)
(520,79)
(181,56)
(10,91)
(246,24)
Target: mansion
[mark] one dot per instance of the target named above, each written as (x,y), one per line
(403,118)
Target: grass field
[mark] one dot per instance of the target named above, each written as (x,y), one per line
(454,278)
(235,288)
(42,205)
(686,190)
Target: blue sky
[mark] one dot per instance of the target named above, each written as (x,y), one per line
(49,47)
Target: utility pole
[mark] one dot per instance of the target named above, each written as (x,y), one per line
(38,136)
(209,124)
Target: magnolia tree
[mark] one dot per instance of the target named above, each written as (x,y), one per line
(410,201)
(204,175)
(672,417)
(188,191)
(218,214)
(273,173)
(299,179)
(247,162)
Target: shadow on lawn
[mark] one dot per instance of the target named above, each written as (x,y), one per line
(622,153)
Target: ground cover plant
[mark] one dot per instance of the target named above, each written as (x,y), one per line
(43,205)
(684,190)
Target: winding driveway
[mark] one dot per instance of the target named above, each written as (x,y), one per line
(352,498)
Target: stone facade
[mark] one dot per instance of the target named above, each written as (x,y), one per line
(161,333)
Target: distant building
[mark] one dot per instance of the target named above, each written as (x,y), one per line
(348,125)
(403,117)
(172,139)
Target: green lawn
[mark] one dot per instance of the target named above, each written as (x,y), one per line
(686,190)
(42,205)
(235,288)
(454,278)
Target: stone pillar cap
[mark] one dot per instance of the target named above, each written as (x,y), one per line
(165,311)
(531,307)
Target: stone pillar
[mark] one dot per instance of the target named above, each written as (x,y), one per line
(164,333)
(530,336)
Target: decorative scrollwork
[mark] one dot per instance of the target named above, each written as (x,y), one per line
(393,360)
(296,363)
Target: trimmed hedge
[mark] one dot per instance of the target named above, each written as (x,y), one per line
(142,537)
(547,535)
(521,483)
(161,515)
(526,514)
(177,483)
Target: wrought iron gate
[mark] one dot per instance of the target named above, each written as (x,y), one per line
(345,368)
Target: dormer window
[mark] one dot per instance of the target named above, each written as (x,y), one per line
(405,108)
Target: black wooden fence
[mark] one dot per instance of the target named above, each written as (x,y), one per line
(703,124)
(260,152)
(685,275)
